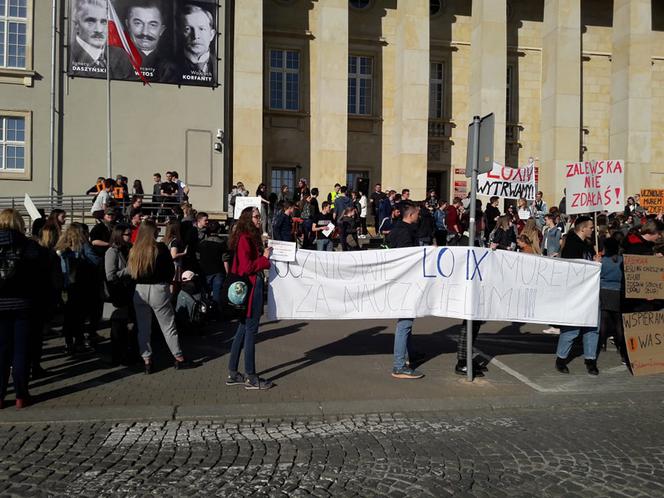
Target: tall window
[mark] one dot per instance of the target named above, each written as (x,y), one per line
(284,79)
(436,91)
(282,176)
(13,33)
(360,79)
(12,143)
(509,95)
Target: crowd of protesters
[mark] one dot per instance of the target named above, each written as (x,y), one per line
(70,270)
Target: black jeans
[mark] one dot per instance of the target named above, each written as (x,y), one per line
(14,345)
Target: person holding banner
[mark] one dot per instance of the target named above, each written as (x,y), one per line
(404,234)
(578,246)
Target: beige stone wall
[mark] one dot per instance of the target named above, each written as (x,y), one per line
(596,104)
(656,177)
(248,72)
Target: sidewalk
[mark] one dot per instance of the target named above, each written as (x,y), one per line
(326,368)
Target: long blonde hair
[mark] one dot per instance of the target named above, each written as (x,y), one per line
(143,254)
(49,236)
(10,219)
(73,238)
(530,229)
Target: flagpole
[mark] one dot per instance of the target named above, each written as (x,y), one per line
(109,164)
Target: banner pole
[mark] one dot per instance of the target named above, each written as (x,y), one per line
(471,235)
(109,164)
(596,234)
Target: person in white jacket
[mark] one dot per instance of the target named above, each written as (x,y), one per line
(363,213)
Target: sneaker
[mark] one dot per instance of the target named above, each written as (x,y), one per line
(256,383)
(235,379)
(406,373)
(551,330)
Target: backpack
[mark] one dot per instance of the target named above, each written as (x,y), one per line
(10,262)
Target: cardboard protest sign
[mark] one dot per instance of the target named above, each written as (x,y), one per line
(245,202)
(644,277)
(652,200)
(455,282)
(509,183)
(644,337)
(595,186)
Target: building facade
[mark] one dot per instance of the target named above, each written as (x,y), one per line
(383,90)
(348,91)
(154,128)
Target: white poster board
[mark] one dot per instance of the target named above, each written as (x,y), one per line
(244,202)
(455,282)
(508,183)
(594,186)
(282,250)
(31,208)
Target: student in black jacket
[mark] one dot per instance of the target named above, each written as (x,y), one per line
(578,245)
(404,234)
(282,226)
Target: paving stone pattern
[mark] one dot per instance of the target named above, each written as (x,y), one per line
(602,451)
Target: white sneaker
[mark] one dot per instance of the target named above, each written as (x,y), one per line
(551,330)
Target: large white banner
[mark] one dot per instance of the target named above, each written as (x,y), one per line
(456,282)
(508,183)
(595,186)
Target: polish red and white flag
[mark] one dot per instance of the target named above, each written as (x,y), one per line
(118,37)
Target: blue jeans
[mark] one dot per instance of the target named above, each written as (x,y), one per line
(324,245)
(245,335)
(402,337)
(590,340)
(214,283)
(14,343)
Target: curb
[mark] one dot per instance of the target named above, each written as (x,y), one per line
(315,409)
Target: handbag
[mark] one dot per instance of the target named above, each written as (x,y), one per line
(235,293)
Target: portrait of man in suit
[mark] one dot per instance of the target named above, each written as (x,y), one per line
(88,49)
(145,21)
(198,33)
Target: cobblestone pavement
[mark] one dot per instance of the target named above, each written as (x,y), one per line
(602,451)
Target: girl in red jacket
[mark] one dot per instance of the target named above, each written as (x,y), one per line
(250,259)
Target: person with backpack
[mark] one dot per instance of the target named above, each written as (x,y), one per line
(21,278)
(250,260)
(79,265)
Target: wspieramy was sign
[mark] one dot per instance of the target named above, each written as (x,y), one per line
(509,183)
(595,186)
(456,282)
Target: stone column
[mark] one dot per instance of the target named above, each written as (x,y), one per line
(488,55)
(328,21)
(631,91)
(405,104)
(248,94)
(561,94)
